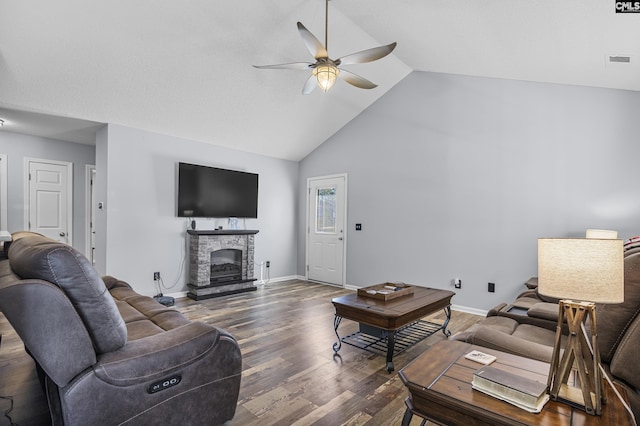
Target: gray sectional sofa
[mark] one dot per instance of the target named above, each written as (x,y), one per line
(108,355)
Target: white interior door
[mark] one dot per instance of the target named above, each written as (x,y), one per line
(49,209)
(326,237)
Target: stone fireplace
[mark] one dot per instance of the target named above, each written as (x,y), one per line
(220,262)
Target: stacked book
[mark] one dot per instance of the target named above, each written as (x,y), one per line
(517,390)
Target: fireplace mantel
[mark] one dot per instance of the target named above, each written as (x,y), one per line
(223,232)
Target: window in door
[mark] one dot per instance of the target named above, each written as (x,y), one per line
(326,210)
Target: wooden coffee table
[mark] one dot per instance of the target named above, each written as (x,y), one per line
(439,383)
(395,318)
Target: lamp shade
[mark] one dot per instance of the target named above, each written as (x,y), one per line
(582,269)
(604,234)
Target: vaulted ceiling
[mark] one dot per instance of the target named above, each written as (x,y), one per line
(184,68)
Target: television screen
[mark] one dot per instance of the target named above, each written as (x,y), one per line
(216,193)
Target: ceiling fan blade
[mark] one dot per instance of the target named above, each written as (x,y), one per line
(368,55)
(289,66)
(313,44)
(310,84)
(356,80)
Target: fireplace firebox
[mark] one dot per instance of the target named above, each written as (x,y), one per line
(226,265)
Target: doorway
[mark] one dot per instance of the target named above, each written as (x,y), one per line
(3,193)
(326,239)
(49,200)
(90,213)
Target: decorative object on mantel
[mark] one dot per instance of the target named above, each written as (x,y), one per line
(590,270)
(325,70)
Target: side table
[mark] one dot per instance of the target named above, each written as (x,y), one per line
(439,384)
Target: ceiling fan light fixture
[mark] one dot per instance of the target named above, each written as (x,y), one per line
(326,75)
(325,70)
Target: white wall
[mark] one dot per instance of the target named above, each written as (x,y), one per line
(17,147)
(455,176)
(144,235)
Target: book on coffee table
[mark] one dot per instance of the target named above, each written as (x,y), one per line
(520,391)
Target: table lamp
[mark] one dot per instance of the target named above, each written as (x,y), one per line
(582,272)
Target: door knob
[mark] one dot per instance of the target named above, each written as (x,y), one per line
(62,234)
(339,238)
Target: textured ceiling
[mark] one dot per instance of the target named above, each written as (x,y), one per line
(184,68)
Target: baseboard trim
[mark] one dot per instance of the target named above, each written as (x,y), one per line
(177,294)
(468,310)
(281,279)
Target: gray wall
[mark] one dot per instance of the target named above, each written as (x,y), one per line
(140,233)
(455,176)
(17,147)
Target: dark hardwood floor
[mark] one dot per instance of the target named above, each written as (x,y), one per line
(290,374)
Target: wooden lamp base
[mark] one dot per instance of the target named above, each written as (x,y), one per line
(579,353)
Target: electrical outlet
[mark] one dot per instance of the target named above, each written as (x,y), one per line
(457,283)
(156,276)
(268,264)
(492,287)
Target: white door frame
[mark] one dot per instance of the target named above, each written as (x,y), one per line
(3,192)
(69,166)
(89,205)
(308,225)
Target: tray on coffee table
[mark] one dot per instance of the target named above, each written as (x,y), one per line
(386,291)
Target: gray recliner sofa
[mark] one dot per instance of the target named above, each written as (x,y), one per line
(108,355)
(618,333)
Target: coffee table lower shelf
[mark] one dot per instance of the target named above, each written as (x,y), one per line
(390,343)
(406,337)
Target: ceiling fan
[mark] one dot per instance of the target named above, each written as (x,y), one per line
(325,70)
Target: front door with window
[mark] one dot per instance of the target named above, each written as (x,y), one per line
(326,236)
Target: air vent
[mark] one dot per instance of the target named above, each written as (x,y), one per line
(620,59)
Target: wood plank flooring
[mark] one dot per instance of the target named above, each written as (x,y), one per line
(290,374)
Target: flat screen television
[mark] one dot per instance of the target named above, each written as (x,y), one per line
(210,192)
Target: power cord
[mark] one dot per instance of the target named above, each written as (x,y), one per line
(6,413)
(165,287)
(160,283)
(182,262)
